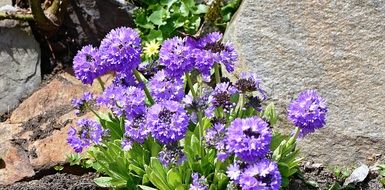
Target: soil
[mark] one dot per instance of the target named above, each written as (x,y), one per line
(320,178)
(57,181)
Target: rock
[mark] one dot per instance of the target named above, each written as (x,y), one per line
(90,20)
(358,175)
(19,63)
(35,136)
(335,47)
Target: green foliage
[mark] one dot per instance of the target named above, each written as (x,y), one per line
(161,19)
(381,168)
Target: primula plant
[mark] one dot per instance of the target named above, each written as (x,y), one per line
(178,124)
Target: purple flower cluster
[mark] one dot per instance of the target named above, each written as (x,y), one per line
(168,121)
(163,87)
(175,54)
(212,50)
(135,131)
(215,137)
(221,96)
(81,104)
(249,139)
(90,132)
(308,112)
(87,64)
(171,155)
(198,183)
(120,50)
(123,100)
(263,175)
(181,55)
(249,83)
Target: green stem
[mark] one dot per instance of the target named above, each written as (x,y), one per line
(92,110)
(239,106)
(200,120)
(146,91)
(217,74)
(190,85)
(101,83)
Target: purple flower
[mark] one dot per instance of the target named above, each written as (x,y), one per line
(175,54)
(90,132)
(127,144)
(125,79)
(250,83)
(249,138)
(87,64)
(198,183)
(204,62)
(136,129)
(200,103)
(167,121)
(221,96)
(215,137)
(81,104)
(120,50)
(123,100)
(163,87)
(263,175)
(171,155)
(220,53)
(308,112)
(233,172)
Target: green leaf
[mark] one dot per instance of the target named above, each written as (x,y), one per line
(155,35)
(108,182)
(146,187)
(271,114)
(201,9)
(173,178)
(157,17)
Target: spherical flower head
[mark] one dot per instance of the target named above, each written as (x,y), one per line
(204,62)
(308,111)
(175,54)
(163,87)
(151,48)
(171,155)
(221,53)
(87,64)
(136,129)
(198,183)
(90,132)
(121,49)
(263,175)
(249,83)
(123,100)
(167,121)
(221,96)
(249,138)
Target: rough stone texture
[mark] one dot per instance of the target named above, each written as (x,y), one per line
(336,47)
(19,63)
(91,20)
(34,137)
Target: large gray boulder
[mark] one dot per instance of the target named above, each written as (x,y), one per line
(19,63)
(336,47)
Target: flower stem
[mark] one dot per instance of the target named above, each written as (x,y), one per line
(217,74)
(200,120)
(101,83)
(190,85)
(146,91)
(92,110)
